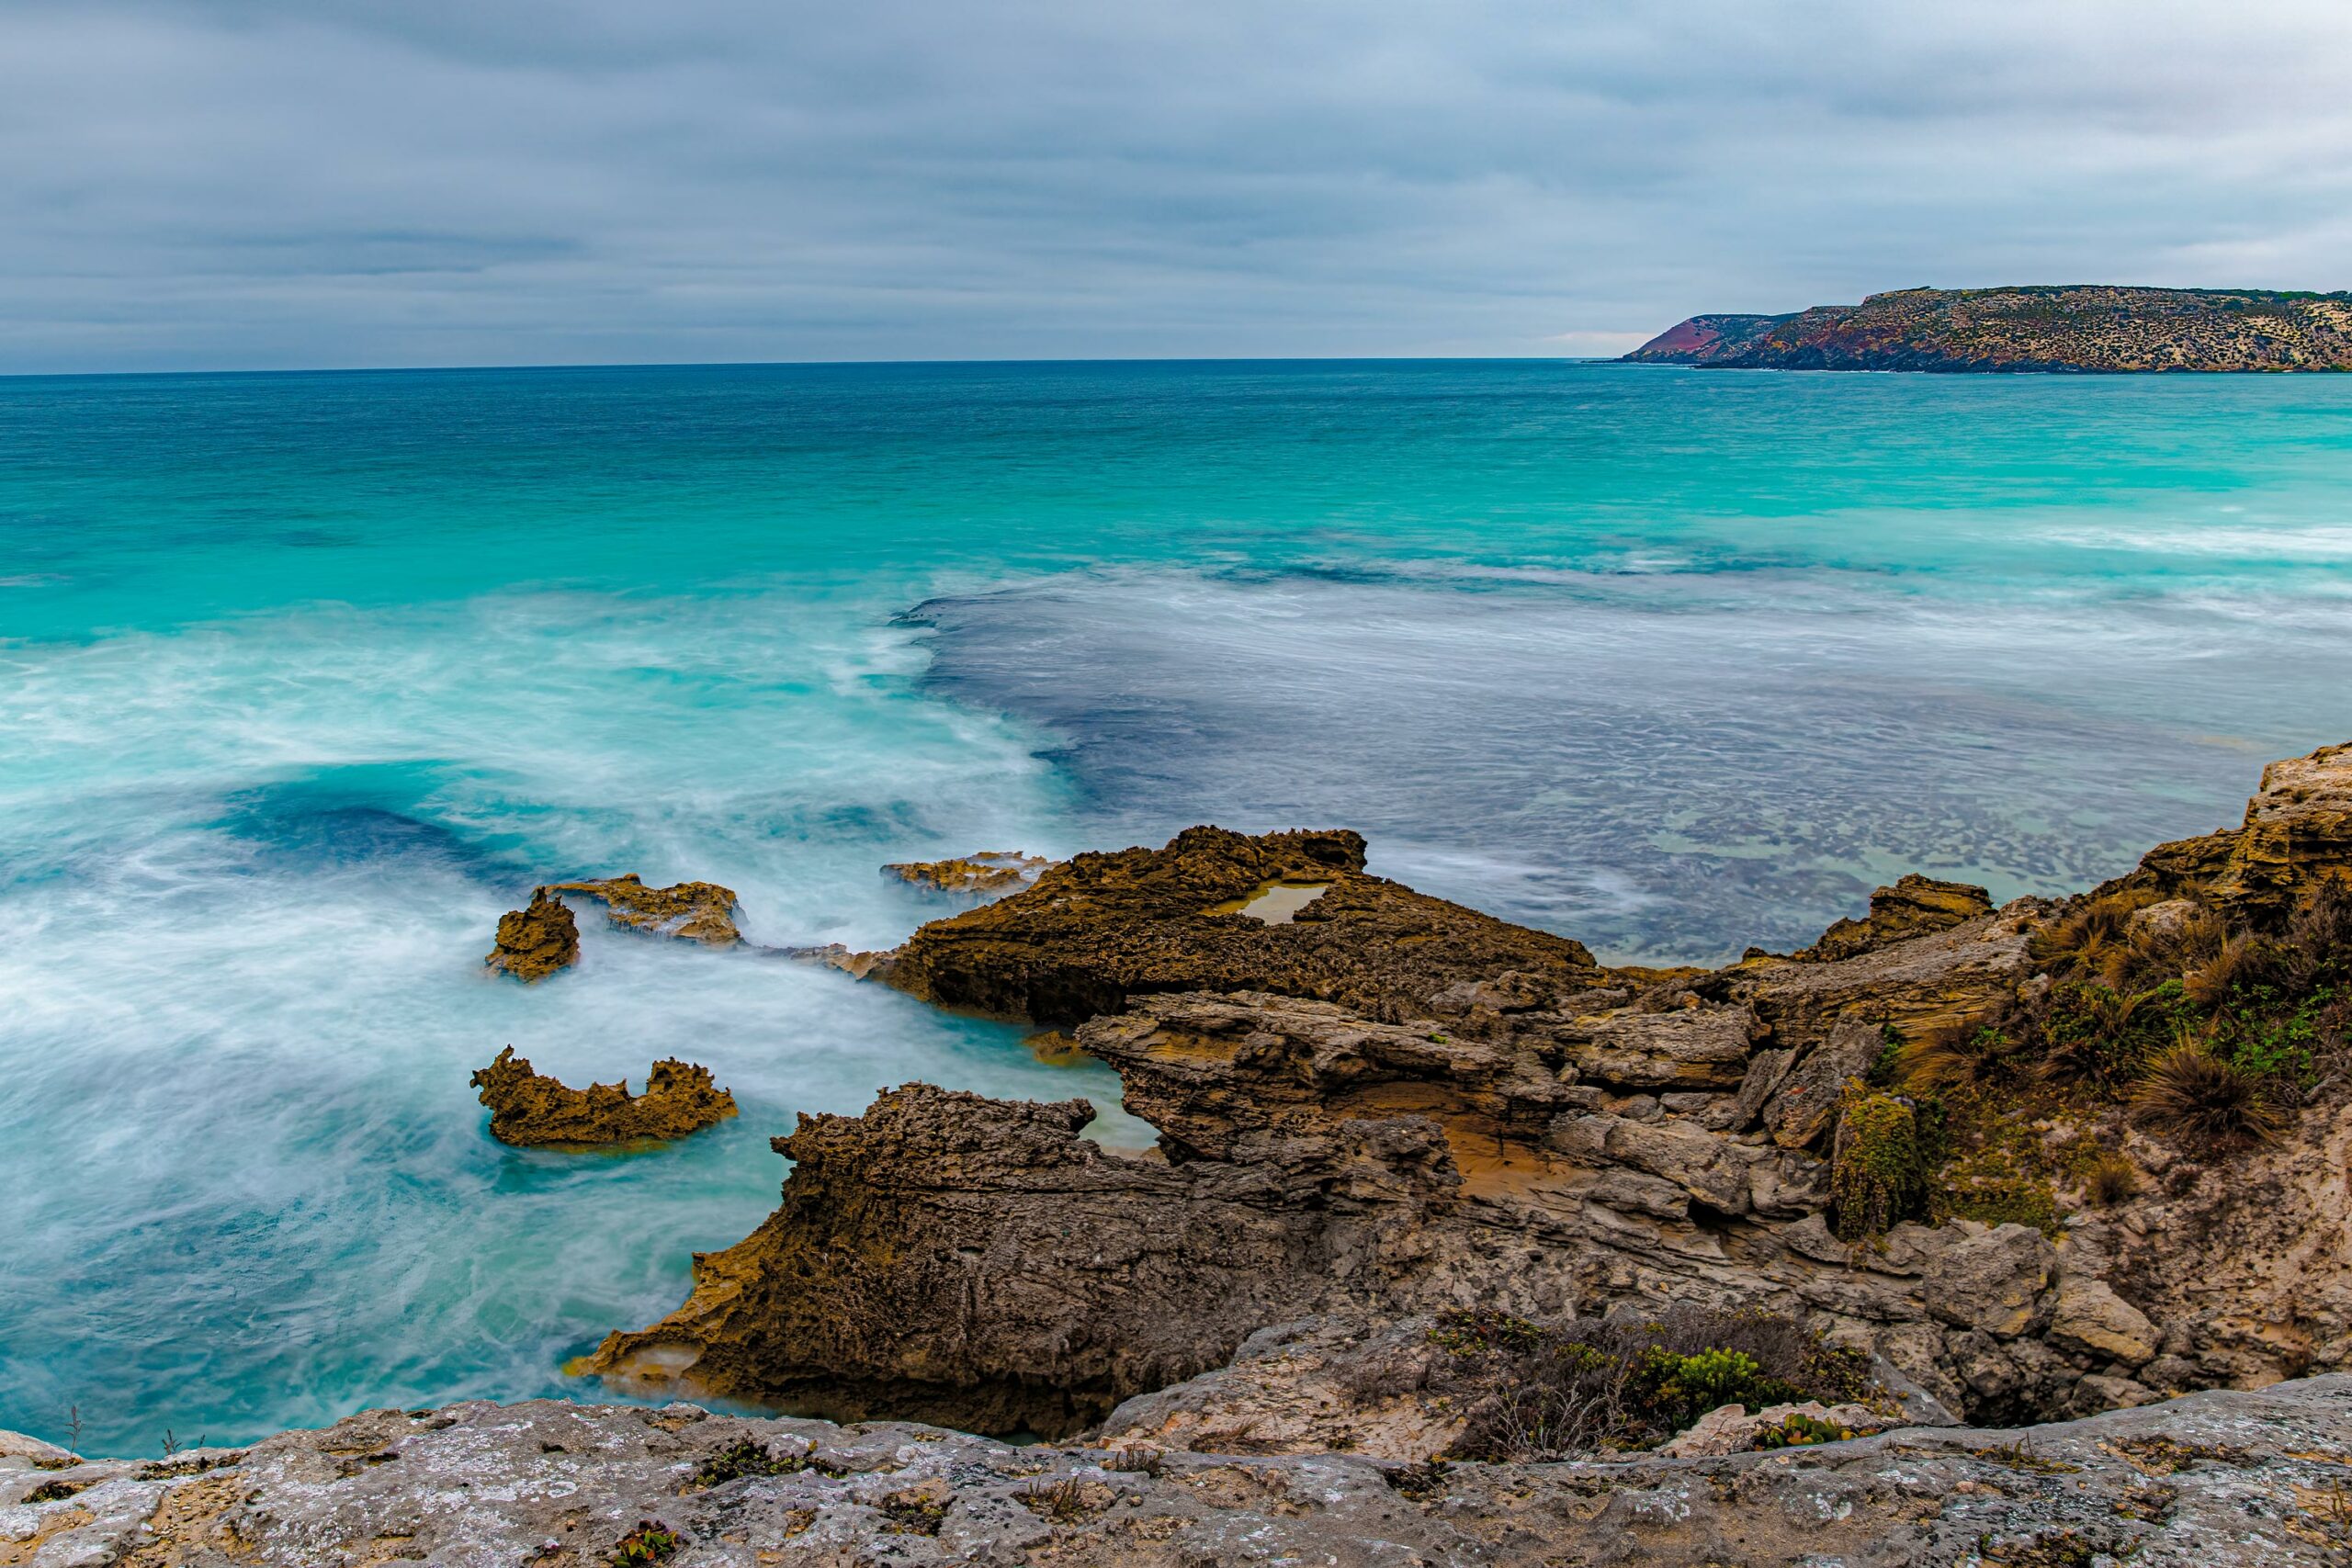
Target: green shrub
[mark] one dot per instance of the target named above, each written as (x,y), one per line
(1879,1169)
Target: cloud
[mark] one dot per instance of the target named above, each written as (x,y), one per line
(261,182)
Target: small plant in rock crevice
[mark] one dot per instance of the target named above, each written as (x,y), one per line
(650,1542)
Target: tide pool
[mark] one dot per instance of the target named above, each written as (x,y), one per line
(305,679)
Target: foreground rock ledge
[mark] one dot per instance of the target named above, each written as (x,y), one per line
(2215,1478)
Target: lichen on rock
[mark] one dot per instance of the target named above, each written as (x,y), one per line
(529,1108)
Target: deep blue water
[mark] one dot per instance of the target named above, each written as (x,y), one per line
(303,679)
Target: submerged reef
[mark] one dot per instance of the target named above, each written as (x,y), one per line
(529,1108)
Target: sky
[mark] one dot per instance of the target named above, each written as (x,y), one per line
(270,183)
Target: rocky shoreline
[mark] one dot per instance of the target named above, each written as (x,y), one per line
(1392,1107)
(1454,1238)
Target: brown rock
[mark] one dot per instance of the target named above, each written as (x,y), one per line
(988,871)
(1101,929)
(698,911)
(527,1108)
(975,1261)
(1914,906)
(536,942)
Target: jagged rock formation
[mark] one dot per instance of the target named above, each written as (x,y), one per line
(536,942)
(527,1108)
(698,911)
(984,871)
(1914,907)
(1400,1107)
(1101,928)
(2216,1480)
(2089,327)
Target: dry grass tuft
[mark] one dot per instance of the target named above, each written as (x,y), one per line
(2194,1096)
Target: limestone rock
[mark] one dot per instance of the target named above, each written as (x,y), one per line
(1691,1048)
(983,871)
(536,941)
(698,911)
(1099,930)
(977,1260)
(1914,906)
(2090,1317)
(1803,1107)
(1990,1280)
(2297,831)
(528,1107)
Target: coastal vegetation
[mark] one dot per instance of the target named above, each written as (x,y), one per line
(2141,1010)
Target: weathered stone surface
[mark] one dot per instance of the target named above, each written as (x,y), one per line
(1801,1110)
(2090,1317)
(1687,1048)
(2297,831)
(536,941)
(1101,929)
(983,871)
(2218,1480)
(976,1259)
(1914,906)
(698,911)
(1990,1280)
(529,1108)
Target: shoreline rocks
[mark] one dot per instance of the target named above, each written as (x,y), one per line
(528,1109)
(1393,1106)
(1099,930)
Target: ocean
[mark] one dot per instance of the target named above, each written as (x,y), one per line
(305,678)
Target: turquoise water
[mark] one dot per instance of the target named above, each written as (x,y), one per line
(304,679)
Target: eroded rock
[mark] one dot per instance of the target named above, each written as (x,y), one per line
(1914,906)
(538,940)
(983,871)
(697,911)
(1099,930)
(529,1108)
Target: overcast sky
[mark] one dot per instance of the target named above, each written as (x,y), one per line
(278,183)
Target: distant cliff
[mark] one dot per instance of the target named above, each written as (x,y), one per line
(2075,327)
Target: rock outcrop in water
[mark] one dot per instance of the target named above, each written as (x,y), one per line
(2095,328)
(1940,1136)
(2213,1480)
(534,941)
(528,1107)
(984,871)
(1100,929)
(697,911)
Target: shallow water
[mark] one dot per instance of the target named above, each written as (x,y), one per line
(304,679)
